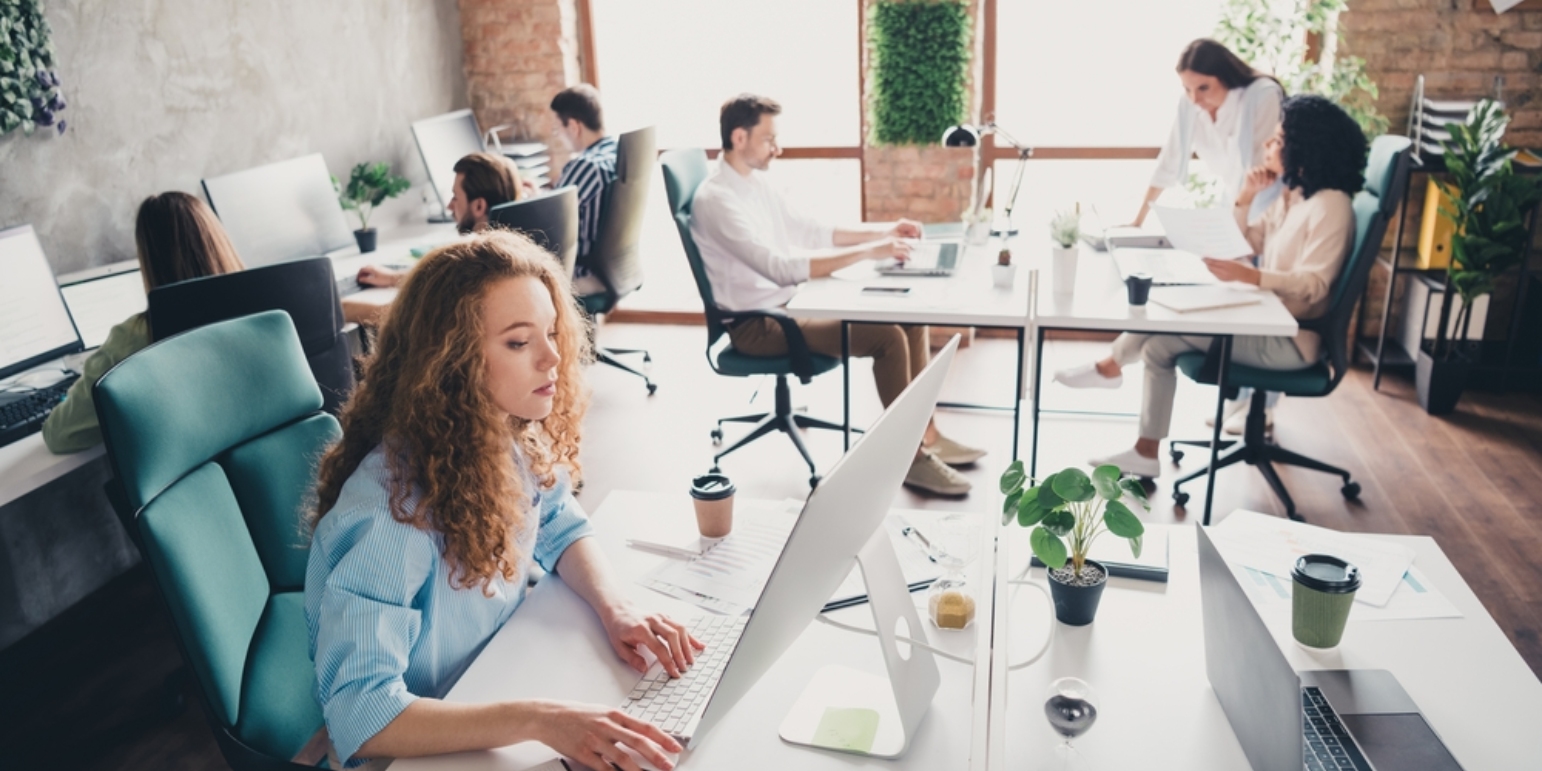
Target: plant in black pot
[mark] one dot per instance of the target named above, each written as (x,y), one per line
(1068,510)
(369,185)
(1488,207)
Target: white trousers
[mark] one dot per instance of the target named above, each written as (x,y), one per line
(1160,353)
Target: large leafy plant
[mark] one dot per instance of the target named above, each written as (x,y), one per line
(920,69)
(369,185)
(29,87)
(1273,36)
(1068,510)
(1488,205)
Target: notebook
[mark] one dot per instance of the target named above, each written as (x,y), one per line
(1187,299)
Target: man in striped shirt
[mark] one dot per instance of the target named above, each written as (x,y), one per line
(580,122)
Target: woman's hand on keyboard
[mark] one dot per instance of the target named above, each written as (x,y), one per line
(595,736)
(630,630)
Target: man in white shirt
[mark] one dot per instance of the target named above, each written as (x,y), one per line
(757,250)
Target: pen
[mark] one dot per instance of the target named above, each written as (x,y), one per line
(911,531)
(662,549)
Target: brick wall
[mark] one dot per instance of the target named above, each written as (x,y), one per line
(1459,46)
(931,183)
(518,54)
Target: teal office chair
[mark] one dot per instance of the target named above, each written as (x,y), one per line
(684,171)
(214,435)
(1386,175)
(615,257)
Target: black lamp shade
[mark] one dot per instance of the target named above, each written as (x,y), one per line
(961,136)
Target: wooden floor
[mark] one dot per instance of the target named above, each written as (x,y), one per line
(88,690)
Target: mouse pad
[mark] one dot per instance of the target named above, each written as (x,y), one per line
(847,728)
(1400,742)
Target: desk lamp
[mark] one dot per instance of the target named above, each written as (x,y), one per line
(965,135)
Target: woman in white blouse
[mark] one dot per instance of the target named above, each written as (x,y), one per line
(1302,239)
(1227,112)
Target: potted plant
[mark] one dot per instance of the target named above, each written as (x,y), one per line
(1068,510)
(1003,273)
(1488,207)
(369,185)
(1065,229)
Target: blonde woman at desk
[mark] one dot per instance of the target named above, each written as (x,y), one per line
(1302,239)
(178,238)
(453,478)
(1227,112)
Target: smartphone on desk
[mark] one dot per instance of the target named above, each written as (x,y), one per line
(886,291)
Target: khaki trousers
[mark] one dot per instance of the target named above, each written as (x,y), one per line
(899,353)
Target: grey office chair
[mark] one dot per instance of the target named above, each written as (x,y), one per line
(305,289)
(614,257)
(551,221)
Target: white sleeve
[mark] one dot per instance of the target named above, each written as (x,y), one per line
(1266,118)
(803,229)
(726,228)
(1170,159)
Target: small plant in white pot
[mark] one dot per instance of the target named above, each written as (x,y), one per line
(1068,510)
(1065,230)
(368,186)
(1003,273)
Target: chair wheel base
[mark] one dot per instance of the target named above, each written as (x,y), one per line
(1180,498)
(1351,491)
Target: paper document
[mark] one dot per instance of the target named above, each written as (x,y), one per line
(1205,232)
(1185,299)
(915,564)
(728,577)
(1272,545)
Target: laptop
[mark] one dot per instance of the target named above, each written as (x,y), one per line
(839,517)
(1165,266)
(100,298)
(1318,719)
(929,258)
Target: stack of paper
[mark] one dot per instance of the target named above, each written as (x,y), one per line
(1186,299)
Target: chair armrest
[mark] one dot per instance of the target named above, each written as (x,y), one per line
(797,346)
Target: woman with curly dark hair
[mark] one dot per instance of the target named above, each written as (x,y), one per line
(1301,240)
(452,480)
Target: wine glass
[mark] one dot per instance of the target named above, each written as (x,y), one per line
(1071,710)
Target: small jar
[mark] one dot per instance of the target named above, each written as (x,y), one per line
(950,603)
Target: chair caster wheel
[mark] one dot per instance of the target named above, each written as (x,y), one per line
(1180,498)
(647,358)
(652,387)
(717,436)
(1177,455)
(813,481)
(1351,491)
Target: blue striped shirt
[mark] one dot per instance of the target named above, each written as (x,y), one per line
(590,171)
(386,626)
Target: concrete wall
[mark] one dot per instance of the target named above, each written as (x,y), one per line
(165,92)
(161,94)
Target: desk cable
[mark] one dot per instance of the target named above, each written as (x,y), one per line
(1020,580)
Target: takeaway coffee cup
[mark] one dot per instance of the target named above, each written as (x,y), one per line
(1322,592)
(713,494)
(1139,287)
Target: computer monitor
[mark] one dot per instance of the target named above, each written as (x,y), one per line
(100,298)
(280,212)
(35,325)
(443,140)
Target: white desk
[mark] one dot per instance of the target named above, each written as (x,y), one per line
(395,248)
(1100,302)
(26,465)
(966,298)
(554,648)
(1145,656)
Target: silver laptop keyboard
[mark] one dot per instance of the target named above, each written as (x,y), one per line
(1328,744)
(672,703)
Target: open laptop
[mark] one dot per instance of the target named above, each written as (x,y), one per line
(100,298)
(929,258)
(1166,266)
(841,514)
(35,328)
(1317,719)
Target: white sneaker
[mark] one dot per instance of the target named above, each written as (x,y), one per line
(1087,376)
(1131,462)
(929,473)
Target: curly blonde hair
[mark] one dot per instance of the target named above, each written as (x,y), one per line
(425,397)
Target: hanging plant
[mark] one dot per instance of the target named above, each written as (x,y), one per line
(29,87)
(920,69)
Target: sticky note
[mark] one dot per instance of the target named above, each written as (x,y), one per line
(847,728)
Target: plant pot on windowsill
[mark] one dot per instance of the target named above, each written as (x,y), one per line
(1076,596)
(366,239)
(1440,381)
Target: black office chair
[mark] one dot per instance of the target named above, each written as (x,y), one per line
(684,171)
(614,257)
(305,289)
(550,219)
(1385,178)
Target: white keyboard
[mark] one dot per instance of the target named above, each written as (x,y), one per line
(673,704)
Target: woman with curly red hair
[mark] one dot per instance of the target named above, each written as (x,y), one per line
(454,475)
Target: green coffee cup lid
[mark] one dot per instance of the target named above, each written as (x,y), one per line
(1326,573)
